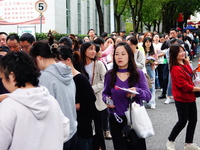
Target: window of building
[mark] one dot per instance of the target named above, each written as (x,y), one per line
(88,14)
(96,21)
(68,16)
(79,16)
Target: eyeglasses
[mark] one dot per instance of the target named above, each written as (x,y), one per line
(25,46)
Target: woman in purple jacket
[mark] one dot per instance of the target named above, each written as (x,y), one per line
(124,74)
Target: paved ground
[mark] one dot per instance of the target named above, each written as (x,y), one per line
(164,118)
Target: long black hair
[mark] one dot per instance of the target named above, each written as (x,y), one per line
(151,52)
(83,49)
(132,69)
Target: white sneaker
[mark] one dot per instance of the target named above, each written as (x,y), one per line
(170,145)
(192,146)
(168,100)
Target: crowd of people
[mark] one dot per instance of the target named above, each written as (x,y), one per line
(63,92)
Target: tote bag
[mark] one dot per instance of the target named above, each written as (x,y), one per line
(196,81)
(141,122)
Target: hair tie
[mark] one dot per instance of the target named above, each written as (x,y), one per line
(52,46)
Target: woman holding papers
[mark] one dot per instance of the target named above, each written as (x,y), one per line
(126,75)
(151,62)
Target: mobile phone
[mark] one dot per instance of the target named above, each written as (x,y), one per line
(109,101)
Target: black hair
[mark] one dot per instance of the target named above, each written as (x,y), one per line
(23,67)
(66,41)
(3,33)
(99,41)
(173,29)
(97,46)
(151,52)
(133,40)
(132,69)
(13,37)
(162,36)
(110,37)
(44,48)
(173,40)
(83,49)
(27,37)
(65,52)
(104,34)
(90,30)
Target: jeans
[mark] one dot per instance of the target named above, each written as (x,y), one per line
(187,112)
(169,86)
(151,73)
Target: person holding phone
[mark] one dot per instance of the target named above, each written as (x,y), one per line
(124,74)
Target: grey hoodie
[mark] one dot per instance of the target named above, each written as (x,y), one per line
(58,79)
(29,116)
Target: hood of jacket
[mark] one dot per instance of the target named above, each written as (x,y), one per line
(35,99)
(61,72)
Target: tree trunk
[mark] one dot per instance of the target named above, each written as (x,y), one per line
(101,17)
(118,25)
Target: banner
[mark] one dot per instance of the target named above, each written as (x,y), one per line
(19,12)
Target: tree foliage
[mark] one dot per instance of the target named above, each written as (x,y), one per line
(151,13)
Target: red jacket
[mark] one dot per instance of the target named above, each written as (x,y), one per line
(182,84)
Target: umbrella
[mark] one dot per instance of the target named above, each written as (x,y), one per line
(191,23)
(190,28)
(198,22)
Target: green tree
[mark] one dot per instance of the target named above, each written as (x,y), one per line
(136,7)
(171,9)
(151,15)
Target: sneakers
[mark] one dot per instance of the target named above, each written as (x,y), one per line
(170,145)
(107,135)
(168,100)
(192,146)
(153,107)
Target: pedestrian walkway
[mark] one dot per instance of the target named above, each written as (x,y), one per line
(164,118)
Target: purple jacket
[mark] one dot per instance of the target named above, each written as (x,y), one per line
(119,97)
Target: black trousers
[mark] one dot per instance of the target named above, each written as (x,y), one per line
(187,113)
(71,144)
(98,138)
(118,141)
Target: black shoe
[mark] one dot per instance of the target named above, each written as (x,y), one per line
(162,96)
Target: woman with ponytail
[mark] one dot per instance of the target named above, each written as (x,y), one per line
(85,98)
(58,79)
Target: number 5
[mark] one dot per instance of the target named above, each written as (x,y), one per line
(40,6)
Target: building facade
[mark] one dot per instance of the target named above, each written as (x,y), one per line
(62,16)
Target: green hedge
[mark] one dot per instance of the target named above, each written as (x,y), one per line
(41,36)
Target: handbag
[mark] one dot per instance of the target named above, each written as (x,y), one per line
(129,133)
(149,81)
(196,81)
(141,122)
